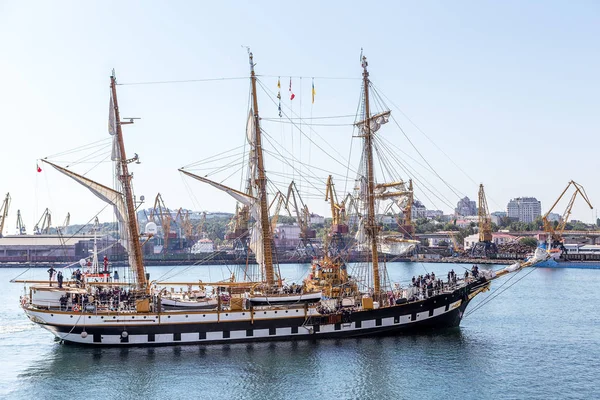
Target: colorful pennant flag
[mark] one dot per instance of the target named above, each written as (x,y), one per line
(314,92)
(292,95)
(37,166)
(279,95)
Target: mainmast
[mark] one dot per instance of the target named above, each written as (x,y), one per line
(371,227)
(125,178)
(261,182)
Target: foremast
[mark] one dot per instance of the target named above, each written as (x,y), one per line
(261,185)
(137,263)
(371,227)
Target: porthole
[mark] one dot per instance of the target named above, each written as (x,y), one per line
(185,316)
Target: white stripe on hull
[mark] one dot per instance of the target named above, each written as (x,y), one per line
(123,321)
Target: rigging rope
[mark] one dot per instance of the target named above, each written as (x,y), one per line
(182,81)
(498,292)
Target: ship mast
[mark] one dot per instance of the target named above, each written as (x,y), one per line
(371,228)
(262,186)
(125,178)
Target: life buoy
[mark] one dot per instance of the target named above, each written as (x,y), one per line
(76,307)
(23,301)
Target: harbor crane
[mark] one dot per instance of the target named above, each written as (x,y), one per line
(555,239)
(21,230)
(162,214)
(339,225)
(302,216)
(182,219)
(61,229)
(278,201)
(485,247)
(43,225)
(4,212)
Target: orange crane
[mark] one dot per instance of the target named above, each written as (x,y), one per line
(4,212)
(163,214)
(555,238)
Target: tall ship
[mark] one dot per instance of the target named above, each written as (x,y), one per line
(331,304)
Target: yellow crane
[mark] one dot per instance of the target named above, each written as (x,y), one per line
(163,214)
(485,220)
(4,212)
(278,201)
(302,213)
(555,238)
(485,247)
(338,210)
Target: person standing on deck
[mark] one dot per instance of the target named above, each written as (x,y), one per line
(116,276)
(59,279)
(51,272)
(105,263)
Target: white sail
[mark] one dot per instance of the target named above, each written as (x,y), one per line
(236,194)
(107,195)
(256,236)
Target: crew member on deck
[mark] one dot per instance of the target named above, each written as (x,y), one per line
(51,272)
(105,263)
(59,279)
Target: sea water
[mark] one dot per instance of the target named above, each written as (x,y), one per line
(534,335)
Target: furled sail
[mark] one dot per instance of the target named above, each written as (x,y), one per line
(397,245)
(236,194)
(112,130)
(375,122)
(256,233)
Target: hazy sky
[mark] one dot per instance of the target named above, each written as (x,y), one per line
(509,90)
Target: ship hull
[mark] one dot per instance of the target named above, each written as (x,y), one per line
(438,312)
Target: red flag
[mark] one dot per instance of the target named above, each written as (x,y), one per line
(292,95)
(38,168)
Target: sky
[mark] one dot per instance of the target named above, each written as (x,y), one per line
(499,93)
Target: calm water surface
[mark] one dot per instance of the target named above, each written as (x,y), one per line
(539,339)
